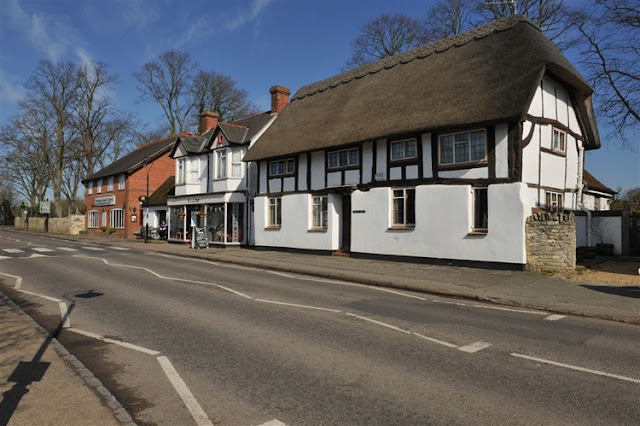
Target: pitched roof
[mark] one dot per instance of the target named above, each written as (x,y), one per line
(254,123)
(483,75)
(233,133)
(159,196)
(132,161)
(594,184)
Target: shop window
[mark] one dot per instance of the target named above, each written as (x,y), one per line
(93,219)
(404,208)
(235,222)
(319,212)
(480,210)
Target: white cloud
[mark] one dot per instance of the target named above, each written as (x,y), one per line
(256,7)
(138,13)
(11,90)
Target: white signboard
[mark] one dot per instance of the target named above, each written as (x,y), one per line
(108,200)
(45,208)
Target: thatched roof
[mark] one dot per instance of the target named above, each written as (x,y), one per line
(484,75)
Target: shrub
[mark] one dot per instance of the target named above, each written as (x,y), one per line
(103,228)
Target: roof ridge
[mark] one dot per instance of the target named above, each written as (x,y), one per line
(250,116)
(234,125)
(166,138)
(421,52)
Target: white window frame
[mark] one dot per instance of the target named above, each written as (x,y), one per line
(222,166)
(180,173)
(90,187)
(558,140)
(285,167)
(194,170)
(122,181)
(116,219)
(236,163)
(475,227)
(468,143)
(110,184)
(103,219)
(319,212)
(339,164)
(99,186)
(274,212)
(93,220)
(404,144)
(402,194)
(555,201)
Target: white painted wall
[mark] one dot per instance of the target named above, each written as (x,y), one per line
(477,173)
(605,229)
(296,223)
(443,222)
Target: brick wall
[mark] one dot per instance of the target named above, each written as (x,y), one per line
(551,242)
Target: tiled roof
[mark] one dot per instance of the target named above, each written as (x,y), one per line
(595,185)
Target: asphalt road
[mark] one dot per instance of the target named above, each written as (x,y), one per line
(223,344)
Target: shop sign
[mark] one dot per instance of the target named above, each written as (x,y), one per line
(108,200)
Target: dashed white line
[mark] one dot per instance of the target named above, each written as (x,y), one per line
(554,317)
(185,394)
(93,248)
(474,347)
(5,257)
(66,248)
(42,249)
(35,255)
(115,342)
(574,367)
(274,422)
(13,250)
(118,248)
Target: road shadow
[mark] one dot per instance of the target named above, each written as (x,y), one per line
(26,373)
(626,291)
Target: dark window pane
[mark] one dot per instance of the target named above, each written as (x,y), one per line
(398,211)
(446,149)
(481,207)
(410,149)
(411,206)
(478,146)
(397,151)
(333,159)
(344,160)
(462,152)
(290,166)
(353,157)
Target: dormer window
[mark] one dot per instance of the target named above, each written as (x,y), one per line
(282,167)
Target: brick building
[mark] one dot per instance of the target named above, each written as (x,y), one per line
(111,195)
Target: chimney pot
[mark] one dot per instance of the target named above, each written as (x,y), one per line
(208,120)
(279,98)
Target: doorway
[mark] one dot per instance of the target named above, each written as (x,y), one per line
(346,223)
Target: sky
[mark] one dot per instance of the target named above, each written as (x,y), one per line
(259,43)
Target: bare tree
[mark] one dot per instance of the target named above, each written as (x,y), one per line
(218,92)
(167,81)
(611,57)
(53,87)
(385,36)
(448,18)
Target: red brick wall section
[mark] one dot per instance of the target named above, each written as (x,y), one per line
(135,186)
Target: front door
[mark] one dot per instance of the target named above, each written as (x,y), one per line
(346,223)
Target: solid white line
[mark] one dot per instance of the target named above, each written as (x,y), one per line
(474,347)
(431,339)
(35,255)
(13,250)
(496,308)
(52,299)
(18,280)
(282,274)
(64,314)
(118,248)
(180,386)
(573,367)
(384,324)
(115,342)
(41,249)
(555,317)
(93,248)
(246,296)
(297,306)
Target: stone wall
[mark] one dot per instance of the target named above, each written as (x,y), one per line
(70,225)
(551,242)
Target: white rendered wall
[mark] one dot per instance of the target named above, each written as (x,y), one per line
(443,222)
(296,223)
(477,173)
(604,229)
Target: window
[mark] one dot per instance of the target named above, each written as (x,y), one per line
(275,218)
(180,177)
(319,210)
(555,202)
(90,187)
(463,147)
(221,164)
(99,186)
(404,207)
(282,167)
(403,150)
(104,218)
(93,219)
(236,164)
(344,158)
(559,139)
(117,219)
(194,170)
(480,210)
(110,184)
(121,181)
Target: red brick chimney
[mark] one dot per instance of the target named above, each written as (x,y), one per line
(208,120)
(279,98)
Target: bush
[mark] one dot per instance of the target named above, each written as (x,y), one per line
(103,228)
(112,230)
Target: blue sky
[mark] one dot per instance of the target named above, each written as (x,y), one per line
(258,43)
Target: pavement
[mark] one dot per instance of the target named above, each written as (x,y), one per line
(511,288)
(45,385)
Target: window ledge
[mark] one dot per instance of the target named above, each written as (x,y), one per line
(272,228)
(478,233)
(402,228)
(317,230)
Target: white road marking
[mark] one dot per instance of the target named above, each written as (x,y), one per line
(574,367)
(5,257)
(66,248)
(274,422)
(52,299)
(65,315)
(93,248)
(13,250)
(555,317)
(495,308)
(474,347)
(282,274)
(431,339)
(35,255)
(42,249)
(384,324)
(18,280)
(118,248)
(297,306)
(115,342)
(180,386)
